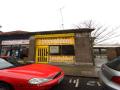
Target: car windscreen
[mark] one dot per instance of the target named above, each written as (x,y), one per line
(13,61)
(4,64)
(114,64)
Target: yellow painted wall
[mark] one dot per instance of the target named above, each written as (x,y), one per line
(64,59)
(55,39)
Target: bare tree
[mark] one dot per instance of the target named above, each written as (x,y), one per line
(101,33)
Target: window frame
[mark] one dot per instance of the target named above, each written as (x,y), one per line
(61,51)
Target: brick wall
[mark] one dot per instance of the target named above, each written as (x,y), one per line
(31,56)
(83,49)
(113,53)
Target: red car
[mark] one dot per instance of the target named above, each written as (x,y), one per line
(28,77)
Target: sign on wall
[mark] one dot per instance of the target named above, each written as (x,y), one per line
(55,41)
(54,49)
(14,42)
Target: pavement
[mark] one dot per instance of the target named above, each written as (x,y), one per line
(79,83)
(84,70)
(80,70)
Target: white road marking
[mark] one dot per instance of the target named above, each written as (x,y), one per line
(77,83)
(70,81)
(74,81)
(98,83)
(91,83)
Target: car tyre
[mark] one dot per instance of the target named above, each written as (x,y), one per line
(4,86)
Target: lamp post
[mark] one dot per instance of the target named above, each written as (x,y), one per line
(62,24)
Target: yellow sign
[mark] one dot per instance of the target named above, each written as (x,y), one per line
(67,59)
(55,41)
(55,35)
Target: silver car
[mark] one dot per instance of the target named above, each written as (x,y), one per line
(110,75)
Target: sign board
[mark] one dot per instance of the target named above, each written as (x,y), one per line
(15,42)
(54,49)
(55,41)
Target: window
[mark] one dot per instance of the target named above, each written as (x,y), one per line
(103,51)
(19,51)
(54,50)
(67,50)
(5,51)
(62,50)
(96,51)
(24,50)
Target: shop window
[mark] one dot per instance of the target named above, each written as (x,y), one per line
(67,50)
(23,52)
(15,50)
(19,51)
(5,51)
(54,50)
(62,50)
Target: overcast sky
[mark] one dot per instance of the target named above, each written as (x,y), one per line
(39,15)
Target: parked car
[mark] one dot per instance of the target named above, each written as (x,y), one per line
(12,60)
(110,75)
(28,77)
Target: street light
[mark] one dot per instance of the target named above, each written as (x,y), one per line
(62,17)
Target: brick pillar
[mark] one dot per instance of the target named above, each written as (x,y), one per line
(112,53)
(31,56)
(83,49)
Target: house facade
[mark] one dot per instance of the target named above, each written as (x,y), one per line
(71,46)
(14,43)
(105,52)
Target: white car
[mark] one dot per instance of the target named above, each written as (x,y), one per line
(110,75)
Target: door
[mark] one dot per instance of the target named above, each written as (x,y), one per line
(41,54)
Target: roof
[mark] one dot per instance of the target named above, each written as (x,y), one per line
(47,32)
(66,31)
(106,45)
(13,32)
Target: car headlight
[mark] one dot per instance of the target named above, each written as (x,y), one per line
(39,80)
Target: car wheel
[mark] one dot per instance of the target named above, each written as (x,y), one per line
(4,86)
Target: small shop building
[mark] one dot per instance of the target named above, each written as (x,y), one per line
(73,46)
(15,43)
